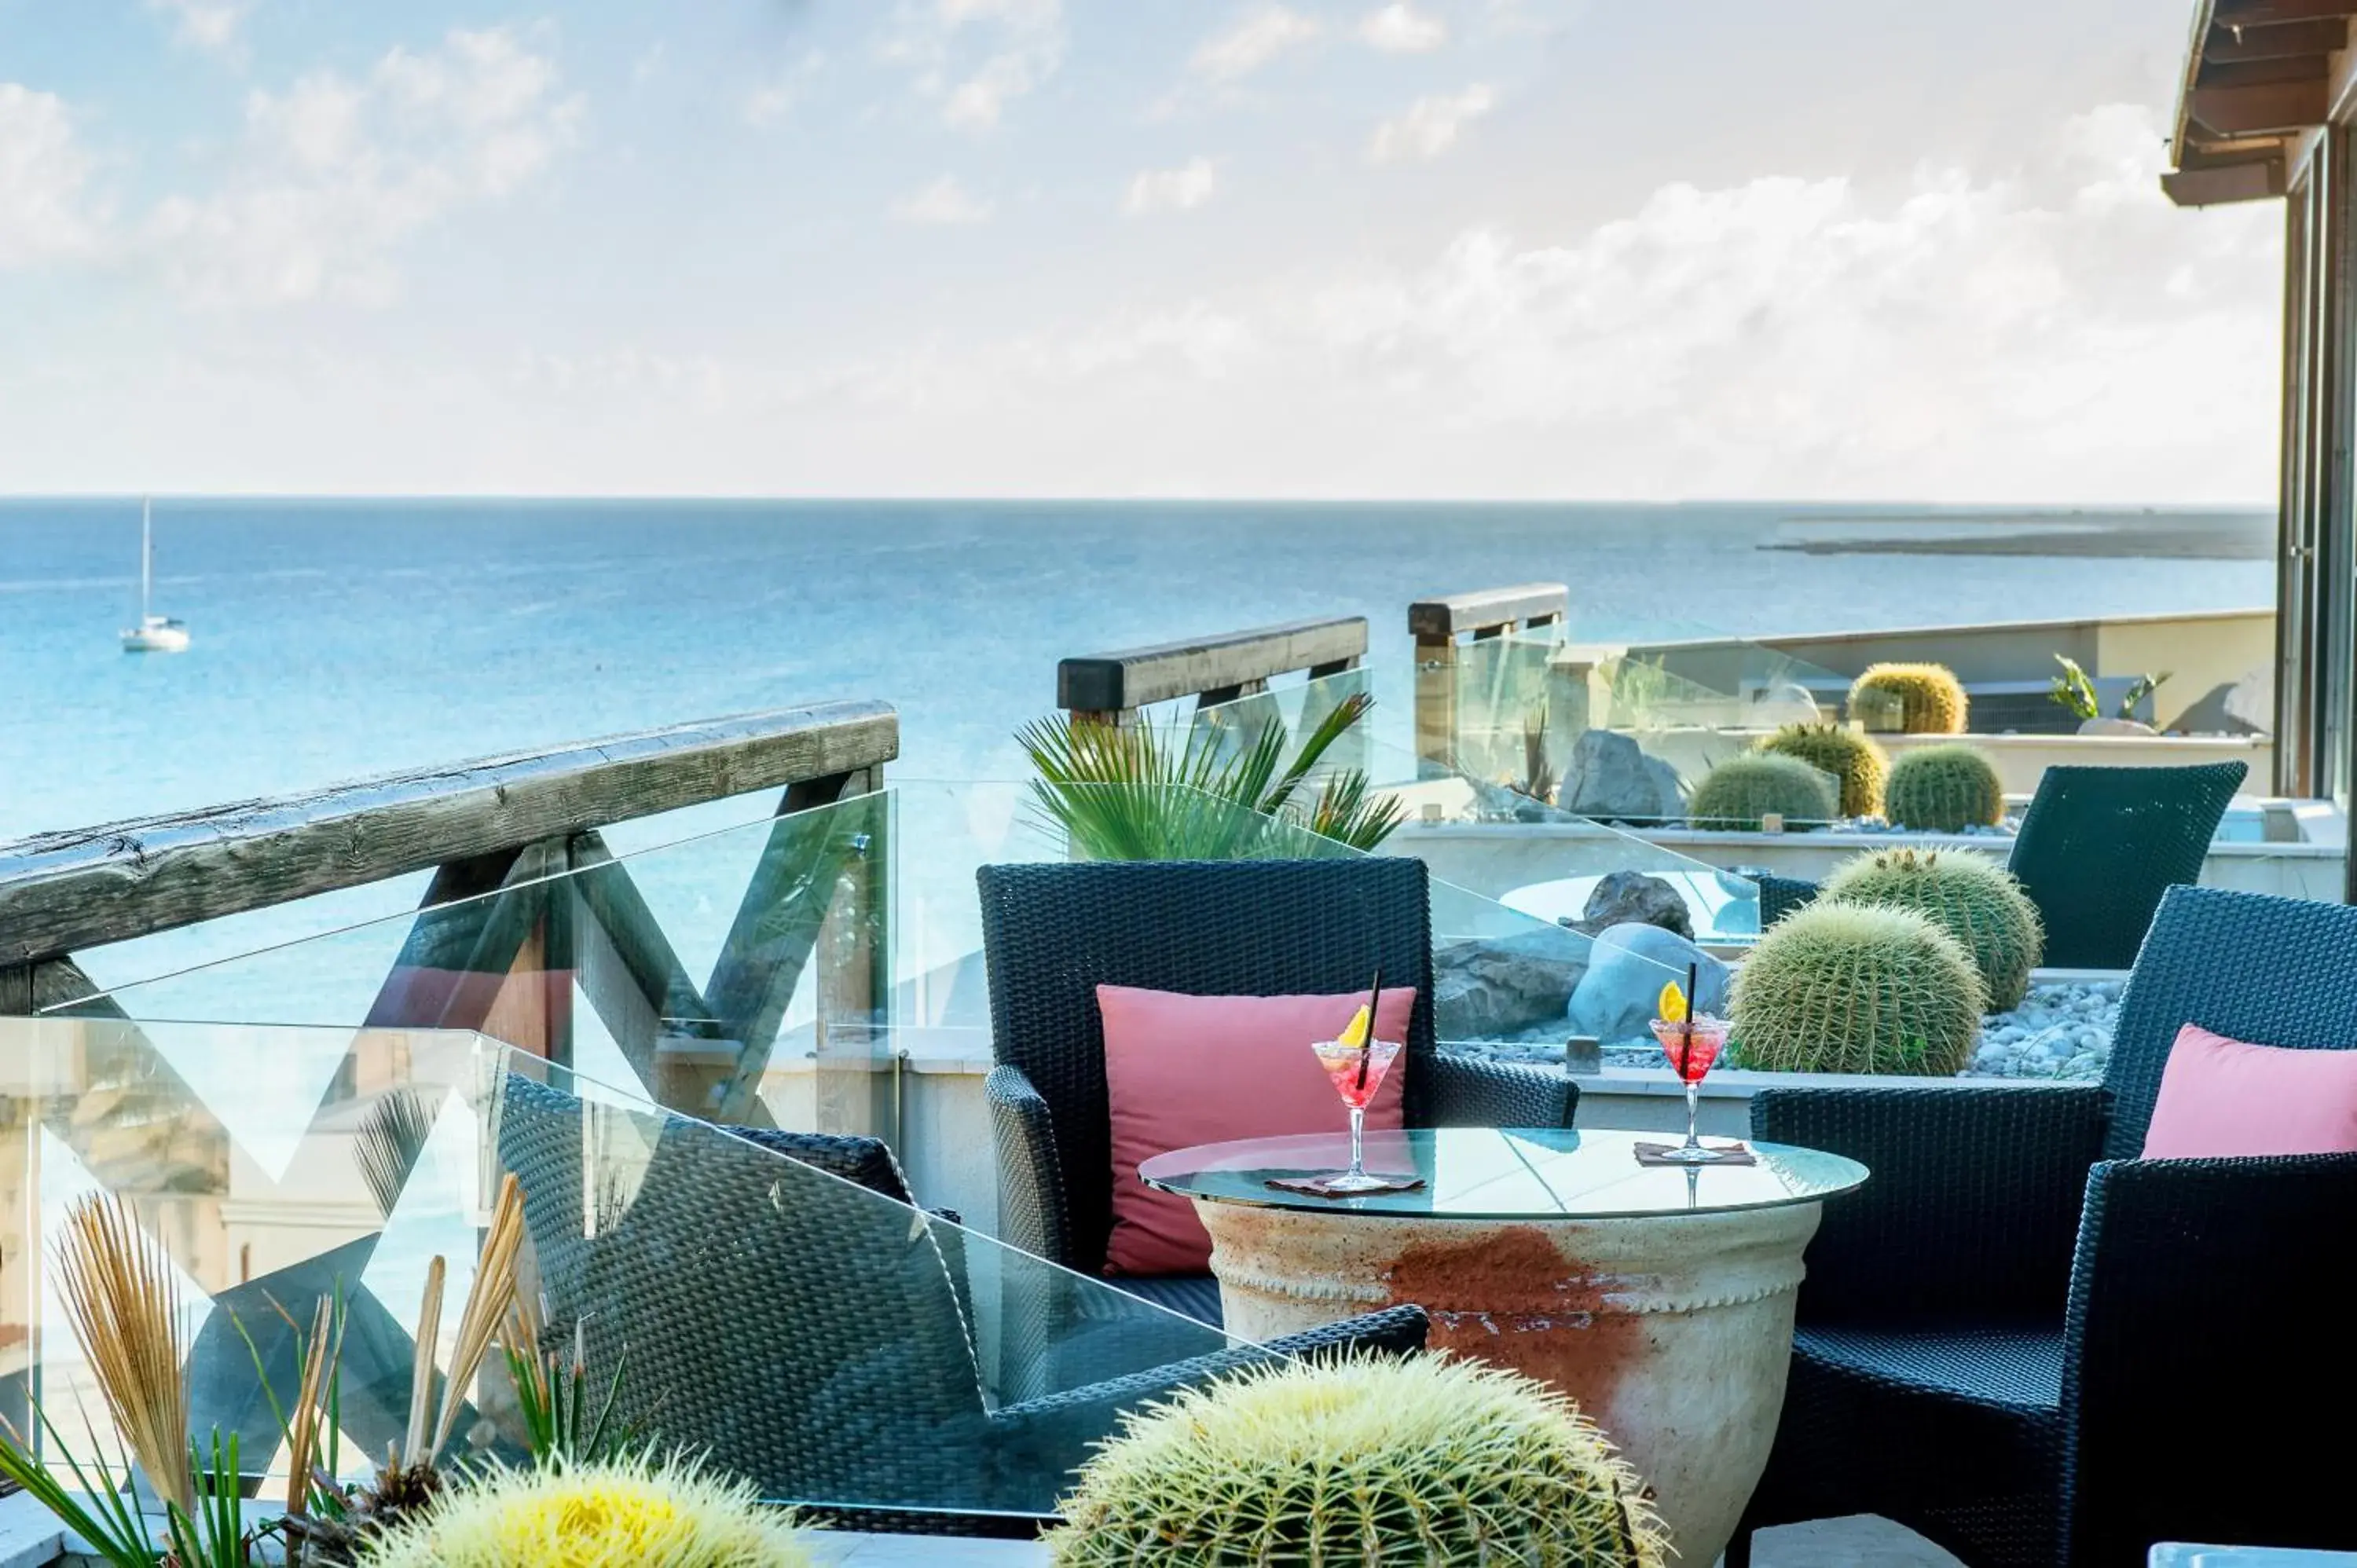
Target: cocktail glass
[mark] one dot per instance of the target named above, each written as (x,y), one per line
(1357,1071)
(1692,1046)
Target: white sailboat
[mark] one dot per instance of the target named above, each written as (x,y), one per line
(155,633)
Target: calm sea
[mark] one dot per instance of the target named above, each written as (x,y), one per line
(337,638)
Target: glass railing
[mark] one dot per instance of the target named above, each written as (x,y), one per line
(814,1333)
(740,974)
(811,971)
(1508,838)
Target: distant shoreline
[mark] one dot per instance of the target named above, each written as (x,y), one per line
(2184,537)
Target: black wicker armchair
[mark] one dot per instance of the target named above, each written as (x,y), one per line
(2029,1345)
(812,1330)
(2096,850)
(1052,933)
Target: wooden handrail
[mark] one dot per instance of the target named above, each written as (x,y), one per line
(1487,612)
(61,892)
(1211,669)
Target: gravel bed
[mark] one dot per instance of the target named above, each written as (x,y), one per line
(2060,1031)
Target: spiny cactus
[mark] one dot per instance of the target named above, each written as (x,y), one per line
(1929,698)
(1740,791)
(1849,755)
(1842,987)
(1944,789)
(1971,898)
(1361,1461)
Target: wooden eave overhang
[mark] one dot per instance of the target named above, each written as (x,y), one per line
(2262,77)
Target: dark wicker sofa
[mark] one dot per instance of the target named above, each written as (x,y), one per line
(2035,1347)
(797,1318)
(1052,933)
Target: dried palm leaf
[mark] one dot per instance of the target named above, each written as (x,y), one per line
(124,1306)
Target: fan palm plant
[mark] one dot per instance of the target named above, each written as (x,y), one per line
(1136,793)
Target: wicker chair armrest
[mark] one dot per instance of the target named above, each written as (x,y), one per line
(1973,1207)
(1059,1429)
(1474,1091)
(1780,896)
(2206,1300)
(1032,1215)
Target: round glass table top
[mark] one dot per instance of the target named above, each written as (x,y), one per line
(1505,1173)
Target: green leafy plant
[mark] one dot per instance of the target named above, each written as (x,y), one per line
(1741,790)
(1928,698)
(1944,789)
(1361,1460)
(1970,897)
(568,1418)
(2073,689)
(1538,779)
(1122,792)
(1640,689)
(1845,754)
(1842,987)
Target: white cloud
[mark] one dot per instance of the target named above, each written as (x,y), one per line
(1189,185)
(942,201)
(775,98)
(213,25)
(977,56)
(768,104)
(1251,41)
(336,174)
(1429,127)
(43,213)
(1400,28)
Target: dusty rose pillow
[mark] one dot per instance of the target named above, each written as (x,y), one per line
(2221,1097)
(1181,1070)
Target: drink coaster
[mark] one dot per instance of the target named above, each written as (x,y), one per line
(1720,1155)
(1322,1187)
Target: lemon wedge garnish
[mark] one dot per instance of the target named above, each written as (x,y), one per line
(1354,1033)
(1673,1003)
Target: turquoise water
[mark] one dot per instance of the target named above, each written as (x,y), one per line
(338,639)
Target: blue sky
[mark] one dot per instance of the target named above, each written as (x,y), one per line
(1828,248)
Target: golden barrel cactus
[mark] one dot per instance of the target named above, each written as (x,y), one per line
(1361,1461)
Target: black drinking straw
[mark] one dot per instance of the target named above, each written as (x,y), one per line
(1367,1046)
(1694,1000)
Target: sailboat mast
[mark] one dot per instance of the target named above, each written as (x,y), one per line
(147,553)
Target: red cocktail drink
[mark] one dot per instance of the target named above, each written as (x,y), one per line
(1356,1072)
(1692,1046)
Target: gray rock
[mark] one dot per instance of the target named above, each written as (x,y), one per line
(1609,775)
(1617,996)
(1632,897)
(1488,988)
(2114,726)
(1669,790)
(2251,704)
(1786,703)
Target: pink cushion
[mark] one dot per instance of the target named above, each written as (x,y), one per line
(1181,1070)
(2219,1098)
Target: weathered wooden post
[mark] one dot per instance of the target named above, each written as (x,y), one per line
(1436,625)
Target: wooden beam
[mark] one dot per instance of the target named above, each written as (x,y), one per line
(2260,72)
(2226,183)
(63,892)
(2225,45)
(2247,13)
(2238,110)
(1488,610)
(1137,677)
